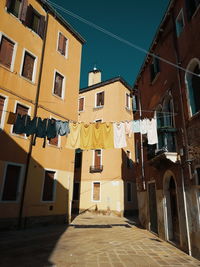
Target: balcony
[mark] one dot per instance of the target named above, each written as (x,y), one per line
(96,168)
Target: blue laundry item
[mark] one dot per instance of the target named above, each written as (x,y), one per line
(19,126)
(51,129)
(41,128)
(62,128)
(31,126)
(136,126)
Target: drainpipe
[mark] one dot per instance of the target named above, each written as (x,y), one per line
(184,133)
(31,139)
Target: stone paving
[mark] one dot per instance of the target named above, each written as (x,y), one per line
(90,241)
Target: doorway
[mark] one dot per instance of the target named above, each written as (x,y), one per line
(153,208)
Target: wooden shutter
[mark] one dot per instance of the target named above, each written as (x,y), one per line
(41,27)
(58,85)
(6,52)
(60,42)
(28,66)
(2,101)
(24,6)
(81,103)
(21,110)
(29,16)
(97,158)
(48,186)
(96,191)
(11,183)
(102,98)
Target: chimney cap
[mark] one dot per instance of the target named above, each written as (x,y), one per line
(95,70)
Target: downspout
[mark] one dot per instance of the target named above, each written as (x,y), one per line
(184,133)
(34,115)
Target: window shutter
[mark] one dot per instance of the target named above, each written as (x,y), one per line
(21,110)
(96,191)
(58,85)
(81,103)
(60,42)
(41,27)
(97,159)
(101,98)
(2,100)
(28,66)
(29,16)
(6,52)
(48,186)
(11,183)
(24,6)
(64,45)
(8,4)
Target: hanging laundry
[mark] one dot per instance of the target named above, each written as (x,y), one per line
(51,129)
(31,126)
(62,128)
(97,140)
(152,135)
(20,123)
(143,126)
(73,138)
(136,126)
(129,128)
(41,128)
(119,135)
(108,134)
(86,136)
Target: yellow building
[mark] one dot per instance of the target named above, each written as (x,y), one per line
(40,55)
(104,179)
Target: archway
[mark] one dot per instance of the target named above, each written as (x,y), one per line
(171,209)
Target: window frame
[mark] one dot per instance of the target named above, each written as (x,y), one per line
(54,186)
(14,111)
(92,195)
(3,116)
(19,188)
(180,14)
(14,51)
(63,85)
(34,67)
(83,97)
(66,47)
(59,137)
(101,106)
(129,100)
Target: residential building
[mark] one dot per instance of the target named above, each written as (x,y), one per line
(40,55)
(104,180)
(168,88)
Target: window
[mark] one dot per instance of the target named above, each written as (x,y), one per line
(58,85)
(35,21)
(2,104)
(18,8)
(198,176)
(96,191)
(54,141)
(62,44)
(28,68)
(129,192)
(22,110)
(100,99)
(127,101)
(179,23)
(193,82)
(191,6)
(49,186)
(134,103)
(76,191)
(154,68)
(78,158)
(97,158)
(11,183)
(137,151)
(6,52)
(81,104)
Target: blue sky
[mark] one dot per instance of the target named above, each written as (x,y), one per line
(133,20)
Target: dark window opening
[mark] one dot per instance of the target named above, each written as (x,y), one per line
(28,66)
(49,184)
(100,99)
(198,176)
(58,84)
(81,104)
(154,68)
(191,6)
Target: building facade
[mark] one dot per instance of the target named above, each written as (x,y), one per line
(104,180)
(40,57)
(168,173)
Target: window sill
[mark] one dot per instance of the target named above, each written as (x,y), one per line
(98,107)
(64,56)
(31,82)
(19,136)
(54,146)
(8,69)
(155,78)
(58,97)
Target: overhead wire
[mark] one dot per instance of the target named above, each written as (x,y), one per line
(95,26)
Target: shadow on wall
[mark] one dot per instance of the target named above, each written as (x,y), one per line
(129,182)
(46,200)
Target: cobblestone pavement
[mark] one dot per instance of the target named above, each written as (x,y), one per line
(90,241)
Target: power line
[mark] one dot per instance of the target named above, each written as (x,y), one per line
(95,26)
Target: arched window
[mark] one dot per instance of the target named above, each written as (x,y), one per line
(193,86)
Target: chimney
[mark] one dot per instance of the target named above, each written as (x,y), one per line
(94,76)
